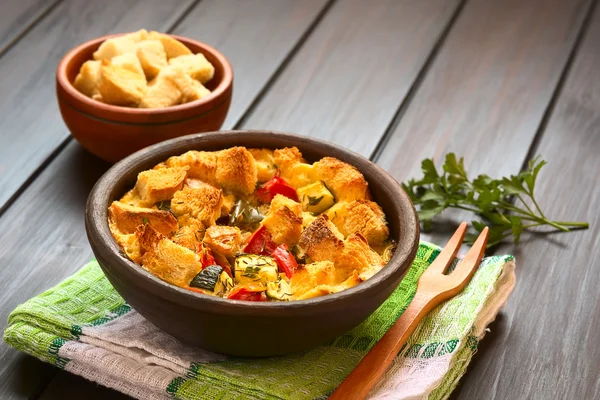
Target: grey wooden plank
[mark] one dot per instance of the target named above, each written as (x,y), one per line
(31,126)
(487,91)
(254,35)
(16,16)
(55,247)
(546,346)
(347,80)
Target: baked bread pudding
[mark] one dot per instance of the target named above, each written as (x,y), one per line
(253,224)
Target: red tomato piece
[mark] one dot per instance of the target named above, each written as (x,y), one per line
(275,186)
(285,260)
(206,257)
(248,293)
(260,243)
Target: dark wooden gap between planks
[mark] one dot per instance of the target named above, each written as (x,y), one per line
(21,18)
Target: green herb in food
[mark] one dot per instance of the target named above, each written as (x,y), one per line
(507,205)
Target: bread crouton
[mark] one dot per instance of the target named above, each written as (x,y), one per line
(363,216)
(173,47)
(128,242)
(265,164)
(195,91)
(120,86)
(161,93)
(196,66)
(133,199)
(130,62)
(159,185)
(293,167)
(152,56)
(344,180)
(315,279)
(284,220)
(203,203)
(88,78)
(225,240)
(356,255)
(126,219)
(202,165)
(236,170)
(321,240)
(117,46)
(167,260)
(189,235)
(228,204)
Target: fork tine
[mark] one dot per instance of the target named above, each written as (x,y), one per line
(467,266)
(444,259)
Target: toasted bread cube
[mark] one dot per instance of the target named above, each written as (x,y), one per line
(113,47)
(130,62)
(265,164)
(190,235)
(225,240)
(194,92)
(228,204)
(284,220)
(203,203)
(133,198)
(171,262)
(152,56)
(88,78)
(321,240)
(314,280)
(128,242)
(357,255)
(159,185)
(196,66)
(173,47)
(202,164)
(161,93)
(137,36)
(126,219)
(362,216)
(344,180)
(119,86)
(236,170)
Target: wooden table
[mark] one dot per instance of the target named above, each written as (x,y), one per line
(497,81)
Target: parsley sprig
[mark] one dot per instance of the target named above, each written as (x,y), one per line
(507,205)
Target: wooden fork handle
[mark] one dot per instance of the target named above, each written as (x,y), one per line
(371,368)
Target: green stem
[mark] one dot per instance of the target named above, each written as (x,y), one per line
(525,204)
(537,205)
(585,225)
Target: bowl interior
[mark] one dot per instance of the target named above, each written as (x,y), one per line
(400,213)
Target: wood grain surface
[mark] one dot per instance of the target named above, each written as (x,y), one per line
(31,127)
(487,90)
(547,344)
(256,36)
(347,80)
(17,16)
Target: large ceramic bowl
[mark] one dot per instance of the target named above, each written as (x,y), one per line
(113,132)
(242,328)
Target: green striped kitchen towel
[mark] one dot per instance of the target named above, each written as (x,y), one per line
(84,326)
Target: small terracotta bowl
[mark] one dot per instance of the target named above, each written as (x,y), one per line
(114,132)
(244,328)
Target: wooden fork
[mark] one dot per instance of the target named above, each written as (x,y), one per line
(433,289)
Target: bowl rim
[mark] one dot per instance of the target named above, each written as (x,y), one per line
(105,246)
(63,80)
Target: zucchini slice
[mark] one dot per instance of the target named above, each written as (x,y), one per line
(207,278)
(315,197)
(279,290)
